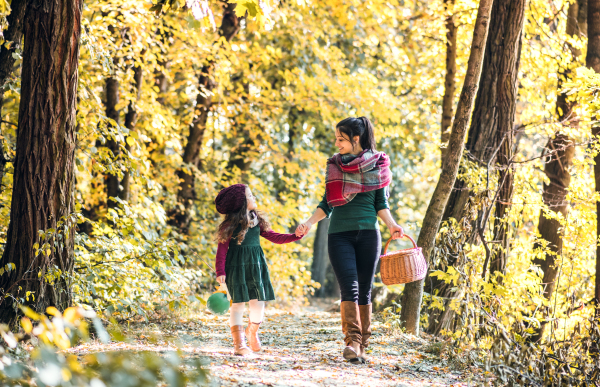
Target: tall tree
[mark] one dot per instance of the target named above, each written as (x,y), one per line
(501,64)
(449,79)
(111,101)
(559,152)
(508,18)
(180,217)
(490,135)
(130,120)
(44,180)
(592,60)
(413,292)
(244,139)
(13,34)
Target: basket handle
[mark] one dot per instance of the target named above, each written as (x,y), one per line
(389,240)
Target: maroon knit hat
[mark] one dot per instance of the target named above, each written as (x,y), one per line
(231,199)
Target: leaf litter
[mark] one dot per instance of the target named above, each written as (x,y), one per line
(300,348)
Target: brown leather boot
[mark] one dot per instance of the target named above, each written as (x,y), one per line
(252,335)
(352,329)
(239,341)
(365,321)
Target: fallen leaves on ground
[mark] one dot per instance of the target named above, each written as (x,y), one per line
(299,349)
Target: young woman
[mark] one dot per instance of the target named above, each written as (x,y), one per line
(356,192)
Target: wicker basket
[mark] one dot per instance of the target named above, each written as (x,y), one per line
(402,266)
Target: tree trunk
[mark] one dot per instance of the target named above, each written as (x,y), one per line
(247,135)
(230,25)
(449,80)
(592,60)
(160,76)
(413,292)
(44,175)
(503,203)
(560,152)
(14,34)
(244,139)
(499,65)
(130,121)
(513,15)
(111,180)
(320,261)
(491,130)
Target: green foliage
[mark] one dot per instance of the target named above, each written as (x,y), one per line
(127,268)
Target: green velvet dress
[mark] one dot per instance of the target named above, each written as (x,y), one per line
(247,274)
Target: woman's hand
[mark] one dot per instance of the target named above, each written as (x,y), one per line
(396,231)
(303,229)
(221,279)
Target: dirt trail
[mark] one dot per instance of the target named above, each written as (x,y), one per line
(300,349)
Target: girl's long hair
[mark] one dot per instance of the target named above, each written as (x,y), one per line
(361,127)
(243,217)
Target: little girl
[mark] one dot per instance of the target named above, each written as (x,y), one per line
(241,262)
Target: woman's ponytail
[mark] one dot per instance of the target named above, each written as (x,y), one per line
(367,138)
(361,127)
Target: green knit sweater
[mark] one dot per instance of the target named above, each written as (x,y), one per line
(359,214)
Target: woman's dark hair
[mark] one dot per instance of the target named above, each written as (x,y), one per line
(243,218)
(361,127)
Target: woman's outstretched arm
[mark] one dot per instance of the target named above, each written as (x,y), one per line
(303,228)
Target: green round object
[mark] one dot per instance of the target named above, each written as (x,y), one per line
(218,303)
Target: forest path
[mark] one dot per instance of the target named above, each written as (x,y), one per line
(300,348)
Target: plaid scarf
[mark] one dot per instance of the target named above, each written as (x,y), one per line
(348,175)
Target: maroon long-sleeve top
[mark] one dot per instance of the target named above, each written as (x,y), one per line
(269,235)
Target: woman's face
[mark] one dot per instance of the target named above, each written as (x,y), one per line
(343,143)
(251,200)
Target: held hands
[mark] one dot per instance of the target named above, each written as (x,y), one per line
(396,231)
(303,229)
(221,279)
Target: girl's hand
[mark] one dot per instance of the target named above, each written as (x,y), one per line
(396,231)
(221,279)
(303,229)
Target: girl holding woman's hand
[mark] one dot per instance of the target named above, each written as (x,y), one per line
(241,264)
(356,192)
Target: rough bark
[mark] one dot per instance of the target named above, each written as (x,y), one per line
(592,60)
(513,15)
(449,79)
(413,292)
(44,164)
(490,136)
(230,25)
(130,121)
(559,153)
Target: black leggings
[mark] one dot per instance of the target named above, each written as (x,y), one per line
(354,256)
